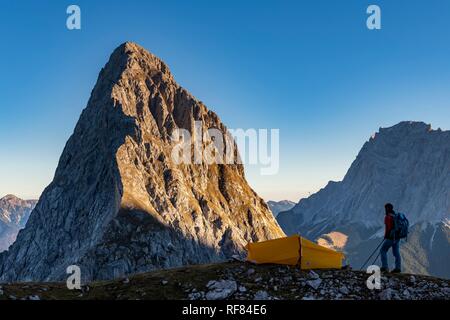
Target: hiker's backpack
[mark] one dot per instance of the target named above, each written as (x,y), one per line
(401,225)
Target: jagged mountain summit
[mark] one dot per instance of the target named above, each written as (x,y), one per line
(14,213)
(408,165)
(278,206)
(119,204)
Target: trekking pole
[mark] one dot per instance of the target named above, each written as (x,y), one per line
(376,258)
(372,255)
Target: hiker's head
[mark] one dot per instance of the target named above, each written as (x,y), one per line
(389,208)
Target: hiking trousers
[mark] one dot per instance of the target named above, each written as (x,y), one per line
(395,244)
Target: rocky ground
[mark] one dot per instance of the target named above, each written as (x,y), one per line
(240,281)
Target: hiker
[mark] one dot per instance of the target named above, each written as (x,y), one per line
(390,240)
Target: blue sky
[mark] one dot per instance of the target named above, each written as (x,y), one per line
(310,68)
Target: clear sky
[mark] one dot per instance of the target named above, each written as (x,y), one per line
(310,68)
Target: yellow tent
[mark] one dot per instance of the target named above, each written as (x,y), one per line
(294,250)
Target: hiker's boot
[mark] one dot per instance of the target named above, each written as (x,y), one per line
(384,269)
(396,271)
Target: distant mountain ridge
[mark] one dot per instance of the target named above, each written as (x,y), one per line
(278,206)
(408,165)
(14,213)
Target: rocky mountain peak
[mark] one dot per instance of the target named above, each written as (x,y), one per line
(10,197)
(119,204)
(408,126)
(132,56)
(14,213)
(401,134)
(10,202)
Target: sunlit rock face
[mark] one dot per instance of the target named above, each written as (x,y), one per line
(408,165)
(119,203)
